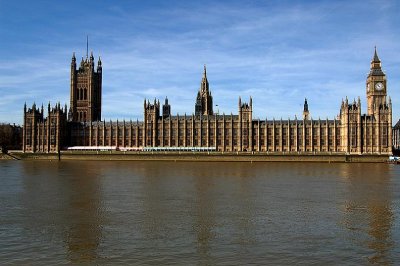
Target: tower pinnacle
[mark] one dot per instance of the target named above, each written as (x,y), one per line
(306,113)
(87,46)
(376,58)
(204,105)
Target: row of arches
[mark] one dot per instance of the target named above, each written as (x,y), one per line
(82,116)
(82,94)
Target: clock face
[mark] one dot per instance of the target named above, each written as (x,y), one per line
(379,86)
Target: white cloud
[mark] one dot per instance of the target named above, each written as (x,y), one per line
(278,54)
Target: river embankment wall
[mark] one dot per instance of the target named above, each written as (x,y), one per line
(200,156)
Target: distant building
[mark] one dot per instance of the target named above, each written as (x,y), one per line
(351,132)
(396,136)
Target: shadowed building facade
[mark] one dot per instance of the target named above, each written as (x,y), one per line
(396,136)
(351,132)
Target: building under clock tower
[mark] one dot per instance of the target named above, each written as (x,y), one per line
(376,85)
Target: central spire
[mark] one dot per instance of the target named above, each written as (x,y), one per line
(306,113)
(204,83)
(376,58)
(204,105)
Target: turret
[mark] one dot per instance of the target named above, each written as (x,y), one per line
(166,109)
(306,113)
(73,60)
(204,102)
(99,66)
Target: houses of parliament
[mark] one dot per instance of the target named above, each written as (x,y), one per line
(80,125)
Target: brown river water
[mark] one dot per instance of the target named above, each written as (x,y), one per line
(198,213)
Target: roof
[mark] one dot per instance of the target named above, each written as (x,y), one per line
(397,126)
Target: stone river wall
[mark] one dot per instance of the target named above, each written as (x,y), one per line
(200,156)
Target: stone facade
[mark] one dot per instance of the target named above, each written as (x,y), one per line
(396,136)
(85,94)
(351,132)
(42,134)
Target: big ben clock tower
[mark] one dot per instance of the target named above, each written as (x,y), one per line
(376,85)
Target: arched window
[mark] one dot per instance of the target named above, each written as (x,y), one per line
(85,96)
(84,116)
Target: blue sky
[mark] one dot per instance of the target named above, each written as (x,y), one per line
(278,52)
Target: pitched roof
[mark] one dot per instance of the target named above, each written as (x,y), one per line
(397,126)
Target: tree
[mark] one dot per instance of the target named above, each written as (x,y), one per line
(10,137)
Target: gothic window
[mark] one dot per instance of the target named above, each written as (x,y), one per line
(353,136)
(28,137)
(269,139)
(300,136)
(85,94)
(284,135)
(384,136)
(245,132)
(367,133)
(277,135)
(292,137)
(52,136)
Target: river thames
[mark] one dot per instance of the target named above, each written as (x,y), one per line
(157,213)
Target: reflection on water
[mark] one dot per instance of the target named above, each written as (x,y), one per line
(368,209)
(206,213)
(66,199)
(84,215)
(204,216)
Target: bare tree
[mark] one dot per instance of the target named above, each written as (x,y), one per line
(10,137)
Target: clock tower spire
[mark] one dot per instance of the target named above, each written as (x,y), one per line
(376,84)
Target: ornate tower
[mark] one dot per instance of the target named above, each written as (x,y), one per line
(166,109)
(151,115)
(86,83)
(204,104)
(245,125)
(306,113)
(376,85)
